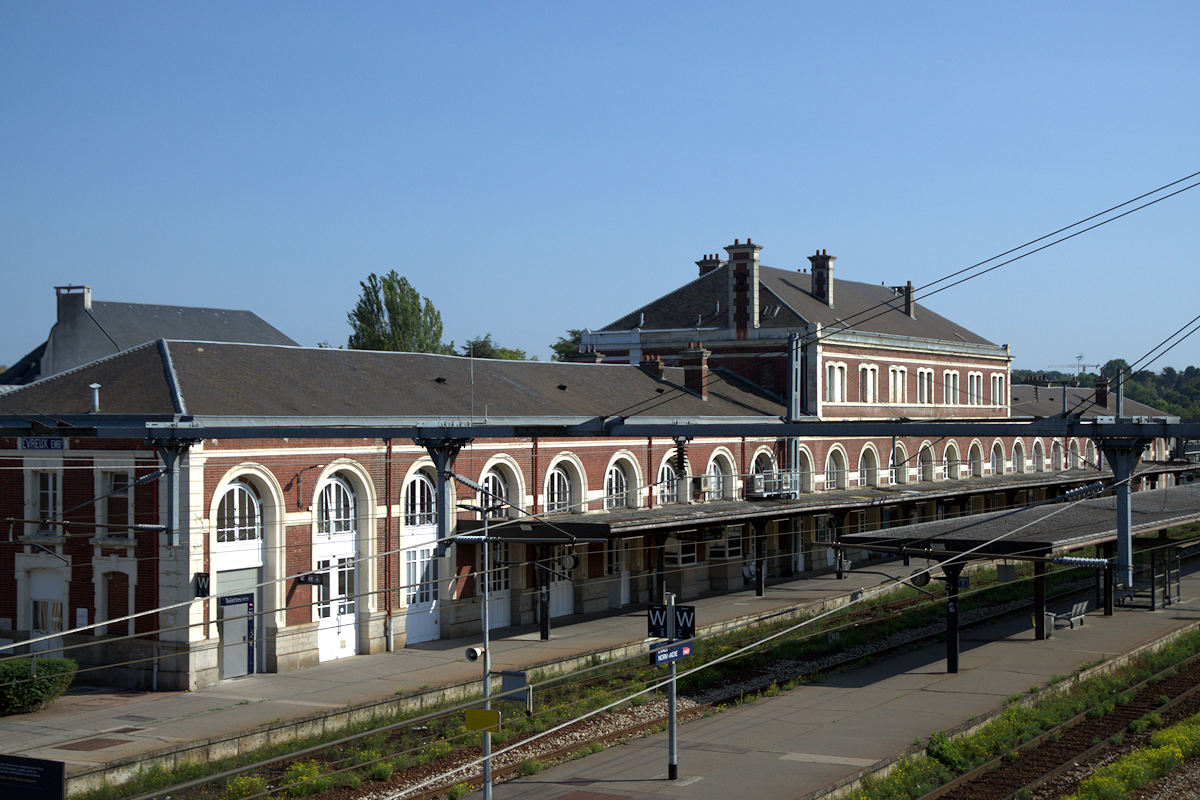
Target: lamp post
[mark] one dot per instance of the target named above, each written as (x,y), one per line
(485,512)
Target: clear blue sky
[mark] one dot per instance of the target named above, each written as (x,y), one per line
(533,167)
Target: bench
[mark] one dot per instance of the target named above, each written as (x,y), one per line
(1077,612)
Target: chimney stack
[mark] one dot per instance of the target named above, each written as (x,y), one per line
(822,276)
(72,300)
(586,355)
(652,366)
(1102,392)
(709,263)
(695,368)
(742,307)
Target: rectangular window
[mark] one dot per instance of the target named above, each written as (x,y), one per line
(114,509)
(680,554)
(47,617)
(729,546)
(925,386)
(950,387)
(897,385)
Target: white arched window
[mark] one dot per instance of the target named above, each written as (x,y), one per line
(495,493)
(558,490)
(950,462)
(868,470)
(1039,457)
(420,505)
(1091,457)
(668,484)
(835,471)
(997,460)
(616,487)
(925,465)
(1018,457)
(337,510)
(720,479)
(1074,459)
(239,517)
(976,456)
(899,466)
(1056,456)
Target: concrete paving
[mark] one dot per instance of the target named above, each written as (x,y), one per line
(804,741)
(786,746)
(90,727)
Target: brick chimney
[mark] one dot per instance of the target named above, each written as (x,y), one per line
(906,291)
(743,286)
(652,366)
(822,276)
(694,361)
(1102,392)
(710,262)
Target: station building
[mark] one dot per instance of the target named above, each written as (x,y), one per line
(187,511)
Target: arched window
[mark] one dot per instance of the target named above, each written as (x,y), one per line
(835,471)
(668,484)
(337,510)
(868,470)
(925,464)
(1018,457)
(951,463)
(899,466)
(976,456)
(420,506)
(1056,456)
(239,517)
(720,479)
(1073,450)
(558,490)
(1039,457)
(616,487)
(997,460)
(495,493)
(1090,456)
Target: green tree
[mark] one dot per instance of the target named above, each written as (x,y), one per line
(566,345)
(484,347)
(392,315)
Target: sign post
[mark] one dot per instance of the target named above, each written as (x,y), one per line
(673,742)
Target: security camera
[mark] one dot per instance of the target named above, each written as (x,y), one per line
(474,653)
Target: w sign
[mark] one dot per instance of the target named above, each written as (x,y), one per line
(685,622)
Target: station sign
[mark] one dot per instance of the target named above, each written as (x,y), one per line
(672,652)
(656,621)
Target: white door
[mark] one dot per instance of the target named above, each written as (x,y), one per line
(562,588)
(235,627)
(421,616)
(619,555)
(48,615)
(499,587)
(337,634)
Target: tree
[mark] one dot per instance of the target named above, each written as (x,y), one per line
(392,315)
(567,345)
(484,347)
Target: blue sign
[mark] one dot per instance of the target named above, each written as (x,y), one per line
(42,443)
(672,652)
(964,582)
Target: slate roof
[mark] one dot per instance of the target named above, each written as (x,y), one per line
(131,324)
(1047,401)
(244,380)
(859,306)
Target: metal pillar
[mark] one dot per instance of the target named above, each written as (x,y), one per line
(672,733)
(1039,601)
(658,589)
(953,571)
(171,455)
(1122,456)
(543,594)
(443,452)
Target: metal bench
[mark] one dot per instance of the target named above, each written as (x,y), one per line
(1077,612)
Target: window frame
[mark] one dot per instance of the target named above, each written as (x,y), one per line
(420,501)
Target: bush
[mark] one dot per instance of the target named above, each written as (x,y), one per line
(944,749)
(21,694)
(305,778)
(244,786)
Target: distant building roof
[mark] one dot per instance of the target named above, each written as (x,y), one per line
(85,331)
(786,300)
(1047,401)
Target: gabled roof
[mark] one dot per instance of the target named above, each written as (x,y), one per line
(858,306)
(1047,401)
(131,324)
(241,380)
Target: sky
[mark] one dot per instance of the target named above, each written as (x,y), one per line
(534,167)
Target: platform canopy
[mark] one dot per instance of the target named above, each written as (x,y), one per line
(1039,530)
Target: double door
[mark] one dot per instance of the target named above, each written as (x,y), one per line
(337,604)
